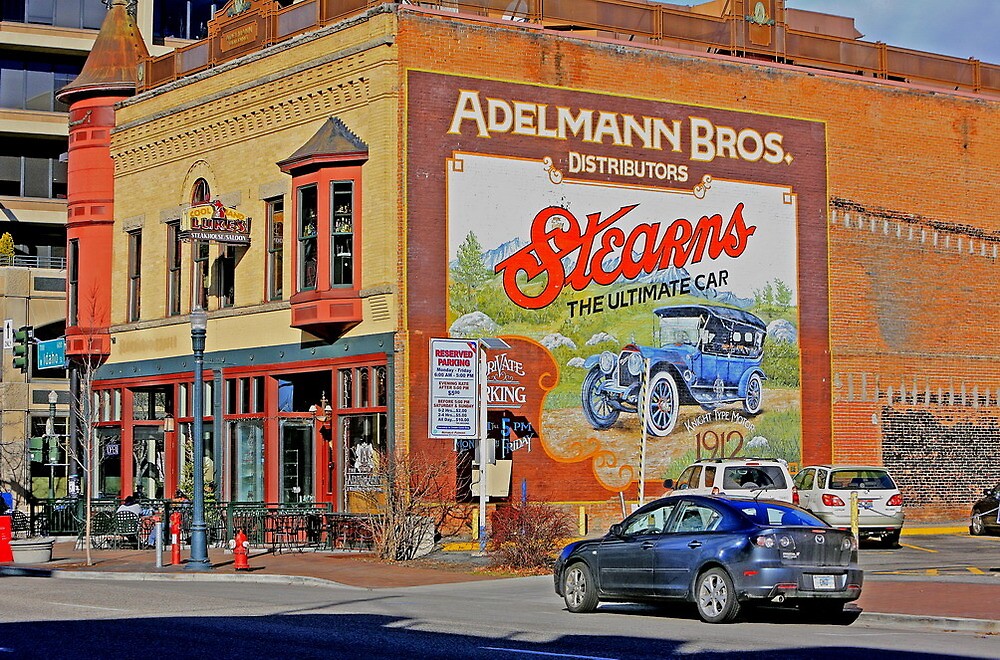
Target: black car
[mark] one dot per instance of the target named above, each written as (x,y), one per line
(986,513)
(718,552)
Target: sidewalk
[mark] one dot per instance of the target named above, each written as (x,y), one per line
(940,604)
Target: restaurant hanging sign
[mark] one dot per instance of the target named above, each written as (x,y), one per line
(215,222)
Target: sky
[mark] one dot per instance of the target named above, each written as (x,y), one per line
(960,28)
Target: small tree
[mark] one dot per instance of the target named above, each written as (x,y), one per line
(782,294)
(411,498)
(6,245)
(526,534)
(468,275)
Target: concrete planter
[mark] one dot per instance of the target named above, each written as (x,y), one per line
(32,551)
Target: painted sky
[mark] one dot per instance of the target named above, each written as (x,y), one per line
(960,28)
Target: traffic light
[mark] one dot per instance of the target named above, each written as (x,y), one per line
(22,347)
(37,447)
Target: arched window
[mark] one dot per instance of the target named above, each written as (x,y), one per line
(200,193)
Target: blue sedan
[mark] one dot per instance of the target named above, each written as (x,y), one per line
(716,551)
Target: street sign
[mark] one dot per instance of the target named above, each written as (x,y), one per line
(8,334)
(454,390)
(50,354)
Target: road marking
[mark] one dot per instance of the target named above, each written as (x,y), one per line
(933,571)
(976,571)
(554,655)
(89,607)
(916,547)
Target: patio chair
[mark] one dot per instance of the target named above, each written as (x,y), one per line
(125,530)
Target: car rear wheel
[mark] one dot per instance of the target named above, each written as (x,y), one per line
(579,589)
(662,404)
(596,408)
(976,526)
(715,597)
(754,399)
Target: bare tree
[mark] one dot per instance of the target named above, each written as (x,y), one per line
(411,496)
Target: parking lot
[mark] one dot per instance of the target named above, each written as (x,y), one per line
(948,556)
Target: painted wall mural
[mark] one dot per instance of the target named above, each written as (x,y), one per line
(651,252)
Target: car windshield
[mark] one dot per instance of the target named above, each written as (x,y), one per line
(858,479)
(753,477)
(680,330)
(776,515)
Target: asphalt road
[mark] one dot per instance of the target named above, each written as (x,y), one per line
(517,619)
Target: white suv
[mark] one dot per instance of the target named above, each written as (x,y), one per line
(753,477)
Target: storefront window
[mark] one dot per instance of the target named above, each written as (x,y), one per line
(109,470)
(364,438)
(248,461)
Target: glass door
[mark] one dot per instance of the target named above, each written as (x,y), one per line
(297,461)
(147,451)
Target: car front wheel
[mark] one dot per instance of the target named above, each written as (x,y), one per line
(715,597)
(976,527)
(579,589)
(754,400)
(662,405)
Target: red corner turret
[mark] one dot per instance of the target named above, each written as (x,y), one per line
(108,77)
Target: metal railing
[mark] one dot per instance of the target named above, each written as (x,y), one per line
(32,261)
(278,526)
(629,20)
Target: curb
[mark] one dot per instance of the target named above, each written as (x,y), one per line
(266,578)
(923,622)
(930,531)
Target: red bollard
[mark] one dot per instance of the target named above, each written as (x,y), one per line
(241,551)
(175,538)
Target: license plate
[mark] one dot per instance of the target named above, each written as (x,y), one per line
(824,582)
(866,504)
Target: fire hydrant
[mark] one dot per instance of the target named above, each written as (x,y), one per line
(175,538)
(241,550)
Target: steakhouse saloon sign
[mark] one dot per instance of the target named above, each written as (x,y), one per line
(215,222)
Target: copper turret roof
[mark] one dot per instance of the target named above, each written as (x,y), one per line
(112,65)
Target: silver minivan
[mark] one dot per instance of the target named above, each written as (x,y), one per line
(825,490)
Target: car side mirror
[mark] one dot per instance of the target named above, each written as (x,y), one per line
(616,530)
(668,483)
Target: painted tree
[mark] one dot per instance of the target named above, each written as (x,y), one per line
(468,275)
(782,294)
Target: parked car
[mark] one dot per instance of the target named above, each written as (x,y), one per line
(719,552)
(754,477)
(825,490)
(707,355)
(986,513)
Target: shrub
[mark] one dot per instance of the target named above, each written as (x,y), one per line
(526,534)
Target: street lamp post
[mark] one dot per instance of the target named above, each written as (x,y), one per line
(199,537)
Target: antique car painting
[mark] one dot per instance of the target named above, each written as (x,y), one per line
(707,355)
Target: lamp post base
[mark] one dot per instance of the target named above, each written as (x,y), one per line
(196,565)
